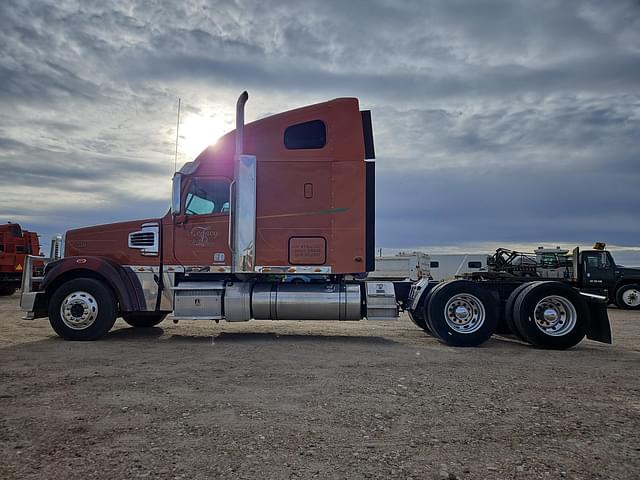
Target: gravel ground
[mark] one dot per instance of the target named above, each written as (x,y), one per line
(313,400)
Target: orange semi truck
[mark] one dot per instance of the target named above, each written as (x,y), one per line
(15,244)
(289,194)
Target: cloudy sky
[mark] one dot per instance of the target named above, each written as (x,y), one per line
(496,122)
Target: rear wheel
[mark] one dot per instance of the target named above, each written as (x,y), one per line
(551,315)
(508,310)
(418,319)
(419,315)
(82,309)
(141,320)
(462,314)
(6,291)
(628,297)
(427,318)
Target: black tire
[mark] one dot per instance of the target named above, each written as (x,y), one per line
(425,309)
(143,320)
(6,291)
(468,296)
(101,309)
(419,315)
(634,290)
(421,321)
(528,315)
(508,311)
(417,319)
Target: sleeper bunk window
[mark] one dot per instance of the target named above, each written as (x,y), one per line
(306,136)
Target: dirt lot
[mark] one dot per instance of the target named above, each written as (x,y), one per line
(316,399)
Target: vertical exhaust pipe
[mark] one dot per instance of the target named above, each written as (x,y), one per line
(242,221)
(242,99)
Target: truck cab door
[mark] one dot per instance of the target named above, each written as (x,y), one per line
(201,229)
(598,269)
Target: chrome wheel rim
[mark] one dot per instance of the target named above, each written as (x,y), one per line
(464,313)
(631,297)
(555,315)
(79,310)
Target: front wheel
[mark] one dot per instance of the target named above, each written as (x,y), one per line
(143,320)
(82,309)
(462,314)
(6,291)
(628,297)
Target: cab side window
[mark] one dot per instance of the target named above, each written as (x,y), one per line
(598,260)
(206,196)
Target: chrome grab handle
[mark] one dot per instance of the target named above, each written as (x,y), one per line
(231,208)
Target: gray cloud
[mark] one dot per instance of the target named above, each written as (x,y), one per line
(523,203)
(508,121)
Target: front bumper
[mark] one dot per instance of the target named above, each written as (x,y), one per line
(34,303)
(29,301)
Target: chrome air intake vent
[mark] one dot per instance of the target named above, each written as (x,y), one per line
(146,240)
(142,239)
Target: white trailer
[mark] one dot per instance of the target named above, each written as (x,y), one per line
(402,266)
(447,266)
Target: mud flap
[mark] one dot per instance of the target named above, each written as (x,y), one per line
(599,328)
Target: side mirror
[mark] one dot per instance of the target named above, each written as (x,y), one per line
(175,194)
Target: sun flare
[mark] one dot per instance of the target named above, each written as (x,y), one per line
(197,132)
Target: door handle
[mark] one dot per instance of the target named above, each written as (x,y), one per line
(180,220)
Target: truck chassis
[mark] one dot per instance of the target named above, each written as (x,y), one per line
(141,278)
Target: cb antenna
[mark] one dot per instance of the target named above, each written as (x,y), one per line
(175,160)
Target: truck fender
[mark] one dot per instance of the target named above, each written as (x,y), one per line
(123,282)
(418,293)
(599,328)
(627,280)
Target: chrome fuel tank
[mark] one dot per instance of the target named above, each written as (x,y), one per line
(314,301)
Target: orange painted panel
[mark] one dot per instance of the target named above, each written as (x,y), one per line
(307,251)
(333,208)
(110,241)
(202,240)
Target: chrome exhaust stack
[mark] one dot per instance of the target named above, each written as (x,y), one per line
(242,99)
(242,195)
(55,252)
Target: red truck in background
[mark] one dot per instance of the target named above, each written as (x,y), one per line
(15,243)
(289,194)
